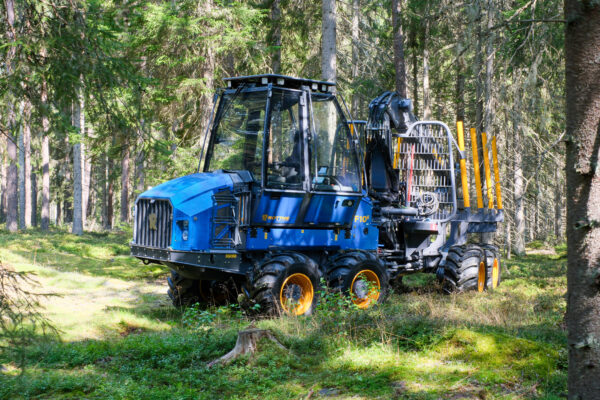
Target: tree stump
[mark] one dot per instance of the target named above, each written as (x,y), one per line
(246,343)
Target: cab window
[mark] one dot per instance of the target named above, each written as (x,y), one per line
(285,166)
(334,166)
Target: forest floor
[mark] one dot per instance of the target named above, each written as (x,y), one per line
(119,337)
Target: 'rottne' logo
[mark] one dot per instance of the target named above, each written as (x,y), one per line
(276,218)
(152,222)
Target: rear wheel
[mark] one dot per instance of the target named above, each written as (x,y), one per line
(286,283)
(465,269)
(361,275)
(493,265)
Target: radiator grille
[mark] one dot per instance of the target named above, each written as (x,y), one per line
(153,223)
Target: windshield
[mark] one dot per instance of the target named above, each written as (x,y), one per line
(238,140)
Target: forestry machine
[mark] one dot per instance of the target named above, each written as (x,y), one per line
(294,193)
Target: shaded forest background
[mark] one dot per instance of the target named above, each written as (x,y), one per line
(100,100)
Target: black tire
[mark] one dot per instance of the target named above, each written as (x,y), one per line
(493,265)
(283,278)
(219,293)
(465,269)
(353,272)
(183,291)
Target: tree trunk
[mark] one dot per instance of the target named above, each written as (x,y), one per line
(140,173)
(460,89)
(105,178)
(11,178)
(399,62)
(45,161)
(489,72)
(518,183)
(25,167)
(415,72)
(21,177)
(355,55)
(78,161)
(582,52)
(34,193)
(125,183)
(477,68)
(426,90)
(328,42)
(558,199)
(85,189)
(4,172)
(276,36)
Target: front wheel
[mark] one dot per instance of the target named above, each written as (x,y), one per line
(286,283)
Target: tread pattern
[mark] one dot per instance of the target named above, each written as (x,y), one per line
(461,269)
(343,264)
(183,291)
(265,277)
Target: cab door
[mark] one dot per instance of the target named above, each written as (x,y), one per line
(284,183)
(335,184)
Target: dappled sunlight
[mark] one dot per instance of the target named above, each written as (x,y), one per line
(121,337)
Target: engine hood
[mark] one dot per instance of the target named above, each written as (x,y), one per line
(187,190)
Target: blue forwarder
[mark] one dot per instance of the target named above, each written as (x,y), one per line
(294,192)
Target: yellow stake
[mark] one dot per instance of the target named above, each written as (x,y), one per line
(488,175)
(496,173)
(476,168)
(463,165)
(397,153)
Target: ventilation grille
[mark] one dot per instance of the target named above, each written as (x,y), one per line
(153,220)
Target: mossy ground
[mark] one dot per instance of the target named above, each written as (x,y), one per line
(120,338)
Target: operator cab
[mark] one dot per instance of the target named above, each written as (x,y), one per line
(293,138)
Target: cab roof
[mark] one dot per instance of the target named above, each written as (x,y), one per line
(280,81)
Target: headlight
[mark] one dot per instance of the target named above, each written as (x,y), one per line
(184,235)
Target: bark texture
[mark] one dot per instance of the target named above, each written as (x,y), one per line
(276,36)
(125,184)
(399,62)
(45,223)
(328,42)
(11,142)
(355,55)
(426,89)
(582,45)
(25,167)
(518,181)
(78,161)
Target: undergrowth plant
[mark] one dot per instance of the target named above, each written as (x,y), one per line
(22,322)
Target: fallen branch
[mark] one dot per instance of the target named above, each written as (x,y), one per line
(246,343)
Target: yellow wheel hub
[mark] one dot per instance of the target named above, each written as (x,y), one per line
(365,288)
(296,294)
(481,277)
(495,273)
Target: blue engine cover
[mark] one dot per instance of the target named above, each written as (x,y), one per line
(193,205)
(192,199)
